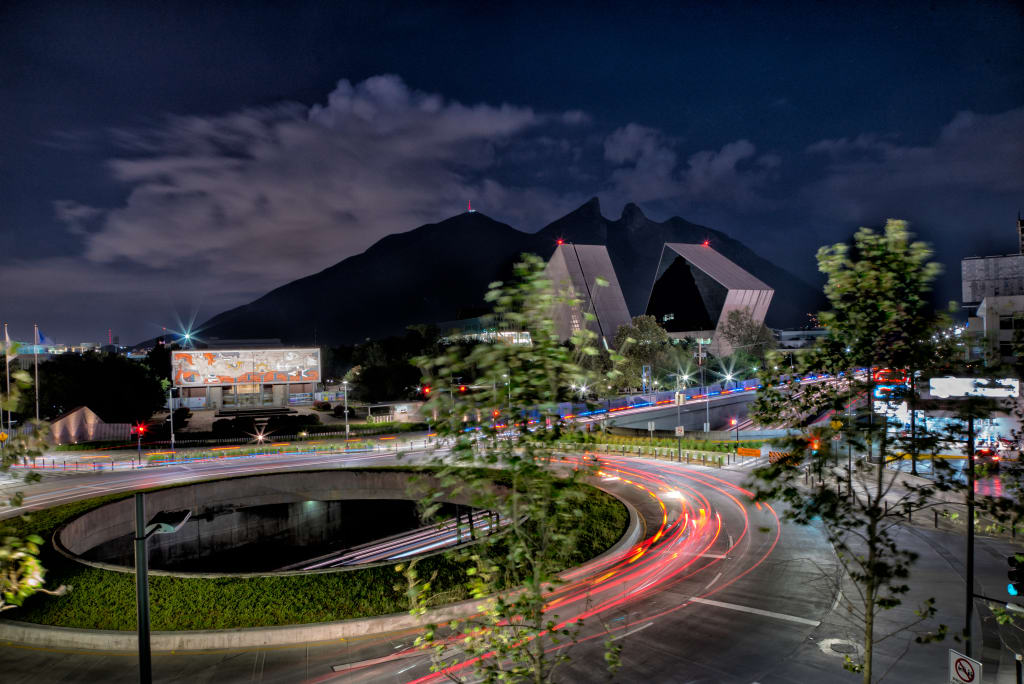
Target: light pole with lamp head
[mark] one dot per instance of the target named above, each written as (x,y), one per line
(164,522)
(344,384)
(736,449)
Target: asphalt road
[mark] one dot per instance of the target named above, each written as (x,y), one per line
(717,590)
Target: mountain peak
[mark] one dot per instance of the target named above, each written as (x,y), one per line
(632,216)
(592,207)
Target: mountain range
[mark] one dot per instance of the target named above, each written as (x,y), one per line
(440,272)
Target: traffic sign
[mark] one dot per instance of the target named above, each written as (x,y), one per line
(650,426)
(680,431)
(963,670)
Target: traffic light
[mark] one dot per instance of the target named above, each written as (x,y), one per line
(426,390)
(139,430)
(1015,587)
(732,421)
(462,389)
(815,443)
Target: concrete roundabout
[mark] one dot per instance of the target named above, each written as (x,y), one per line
(231,515)
(702,568)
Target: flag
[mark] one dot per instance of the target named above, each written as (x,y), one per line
(9,350)
(41,338)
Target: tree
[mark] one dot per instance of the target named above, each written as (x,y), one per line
(746,335)
(514,637)
(21,573)
(118,389)
(643,343)
(880,317)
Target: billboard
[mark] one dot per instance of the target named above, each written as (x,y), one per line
(973,387)
(220,367)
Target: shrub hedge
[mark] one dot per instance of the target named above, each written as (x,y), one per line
(584,438)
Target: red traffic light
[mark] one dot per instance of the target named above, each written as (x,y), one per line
(426,390)
(462,388)
(139,430)
(559,241)
(732,421)
(815,443)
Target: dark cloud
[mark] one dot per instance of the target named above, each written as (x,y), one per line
(219,209)
(647,169)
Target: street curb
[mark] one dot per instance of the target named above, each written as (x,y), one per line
(23,633)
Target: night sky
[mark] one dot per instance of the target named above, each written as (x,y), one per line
(163,161)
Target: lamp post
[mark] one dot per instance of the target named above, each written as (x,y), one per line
(736,424)
(344,384)
(679,418)
(164,522)
(170,412)
(704,387)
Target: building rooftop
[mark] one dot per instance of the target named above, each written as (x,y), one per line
(717,266)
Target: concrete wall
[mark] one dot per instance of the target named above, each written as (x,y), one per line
(320,633)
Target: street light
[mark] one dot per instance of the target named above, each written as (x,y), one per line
(345,385)
(735,423)
(164,522)
(170,412)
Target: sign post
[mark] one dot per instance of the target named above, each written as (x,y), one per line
(963,670)
(650,429)
(680,431)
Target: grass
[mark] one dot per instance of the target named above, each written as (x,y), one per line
(102,599)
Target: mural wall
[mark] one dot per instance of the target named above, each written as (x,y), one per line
(202,368)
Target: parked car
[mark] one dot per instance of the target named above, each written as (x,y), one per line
(987,457)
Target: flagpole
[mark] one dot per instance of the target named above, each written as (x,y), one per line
(35,352)
(7,370)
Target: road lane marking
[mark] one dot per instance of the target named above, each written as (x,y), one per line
(708,585)
(835,604)
(632,631)
(757,611)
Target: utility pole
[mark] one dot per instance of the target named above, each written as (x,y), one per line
(969,607)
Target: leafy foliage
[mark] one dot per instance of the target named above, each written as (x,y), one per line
(21,572)
(118,389)
(748,336)
(510,402)
(880,318)
(642,343)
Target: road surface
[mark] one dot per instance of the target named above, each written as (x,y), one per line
(715,590)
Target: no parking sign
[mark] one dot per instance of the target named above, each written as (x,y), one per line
(963,670)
